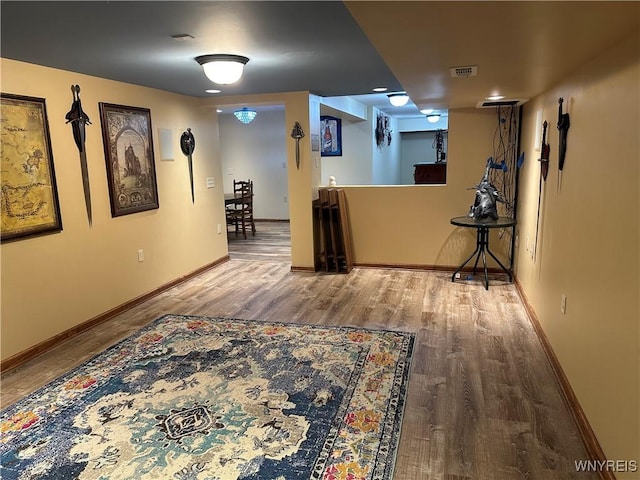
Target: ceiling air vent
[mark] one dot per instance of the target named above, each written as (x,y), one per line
(516,102)
(463,72)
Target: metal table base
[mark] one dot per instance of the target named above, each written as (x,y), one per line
(482,245)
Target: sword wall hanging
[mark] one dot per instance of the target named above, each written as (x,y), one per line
(79,120)
(544,153)
(188,145)
(297,133)
(563,127)
(544,169)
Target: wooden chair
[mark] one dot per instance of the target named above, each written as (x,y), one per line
(240,211)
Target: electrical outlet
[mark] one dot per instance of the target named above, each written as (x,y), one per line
(563,304)
(211,182)
(219,229)
(285,199)
(141,255)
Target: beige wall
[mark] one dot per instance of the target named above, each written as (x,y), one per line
(588,242)
(52,283)
(410,225)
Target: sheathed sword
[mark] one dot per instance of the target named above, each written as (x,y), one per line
(544,169)
(79,120)
(563,127)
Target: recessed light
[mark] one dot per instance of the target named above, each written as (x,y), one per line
(380,89)
(213,91)
(218,110)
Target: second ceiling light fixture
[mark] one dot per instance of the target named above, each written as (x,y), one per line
(399,99)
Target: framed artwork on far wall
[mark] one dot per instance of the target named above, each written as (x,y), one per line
(29,194)
(128,151)
(330,136)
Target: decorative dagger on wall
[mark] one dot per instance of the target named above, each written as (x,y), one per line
(544,156)
(563,127)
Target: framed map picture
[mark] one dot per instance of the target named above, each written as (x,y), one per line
(29,195)
(128,150)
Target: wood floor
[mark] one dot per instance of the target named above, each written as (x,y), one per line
(482,401)
(272,241)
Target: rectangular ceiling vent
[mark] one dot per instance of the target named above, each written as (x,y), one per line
(515,102)
(464,72)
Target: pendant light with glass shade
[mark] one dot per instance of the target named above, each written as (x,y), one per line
(245,115)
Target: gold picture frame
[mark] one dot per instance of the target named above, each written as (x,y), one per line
(29,194)
(128,150)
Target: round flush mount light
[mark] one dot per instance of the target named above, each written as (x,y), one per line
(493,98)
(223,69)
(433,117)
(426,111)
(380,89)
(399,99)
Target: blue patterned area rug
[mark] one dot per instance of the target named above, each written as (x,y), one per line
(189,398)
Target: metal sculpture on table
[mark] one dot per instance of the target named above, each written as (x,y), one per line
(188,145)
(297,133)
(487,196)
(563,127)
(79,120)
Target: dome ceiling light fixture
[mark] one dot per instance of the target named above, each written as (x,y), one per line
(433,117)
(221,68)
(399,99)
(245,115)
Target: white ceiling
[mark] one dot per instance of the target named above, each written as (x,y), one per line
(329,48)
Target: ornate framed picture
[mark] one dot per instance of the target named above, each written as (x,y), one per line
(128,151)
(29,194)
(330,136)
